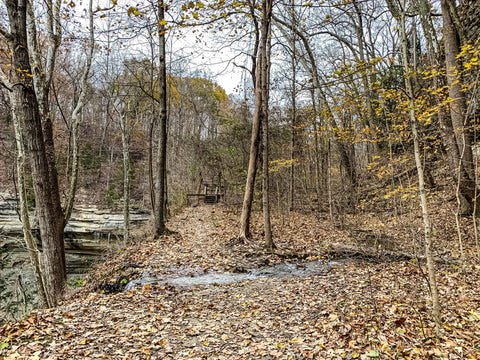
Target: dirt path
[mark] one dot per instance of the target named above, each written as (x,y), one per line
(361,310)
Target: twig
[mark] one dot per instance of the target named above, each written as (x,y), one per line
(422,328)
(371,291)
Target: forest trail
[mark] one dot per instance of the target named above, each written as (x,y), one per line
(367,308)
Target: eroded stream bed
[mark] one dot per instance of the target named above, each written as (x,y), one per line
(303,270)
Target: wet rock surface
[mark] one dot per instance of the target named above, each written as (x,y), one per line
(303,270)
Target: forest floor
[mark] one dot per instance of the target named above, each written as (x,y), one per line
(371,304)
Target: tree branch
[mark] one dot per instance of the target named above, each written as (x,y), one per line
(5,82)
(76,115)
(4,32)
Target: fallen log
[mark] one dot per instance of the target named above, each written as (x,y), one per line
(338,250)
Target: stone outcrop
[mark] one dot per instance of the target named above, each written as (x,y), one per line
(89,234)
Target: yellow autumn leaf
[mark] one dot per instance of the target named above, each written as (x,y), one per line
(474,316)
(224,337)
(83,342)
(162,22)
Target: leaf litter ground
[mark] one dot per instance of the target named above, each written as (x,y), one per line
(368,307)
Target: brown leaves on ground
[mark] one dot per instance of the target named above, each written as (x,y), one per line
(364,308)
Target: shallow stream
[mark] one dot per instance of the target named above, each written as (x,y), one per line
(217,278)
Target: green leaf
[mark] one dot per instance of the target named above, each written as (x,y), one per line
(4,345)
(373,354)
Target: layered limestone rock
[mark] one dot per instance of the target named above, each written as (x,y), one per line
(89,234)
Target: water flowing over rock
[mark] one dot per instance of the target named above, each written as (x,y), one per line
(216,278)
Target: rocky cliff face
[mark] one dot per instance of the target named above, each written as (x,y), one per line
(89,234)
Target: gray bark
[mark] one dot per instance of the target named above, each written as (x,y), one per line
(30,242)
(126,131)
(436,312)
(265,75)
(458,109)
(255,138)
(37,147)
(75,120)
(294,112)
(308,61)
(159,211)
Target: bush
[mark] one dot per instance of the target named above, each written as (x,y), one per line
(111,196)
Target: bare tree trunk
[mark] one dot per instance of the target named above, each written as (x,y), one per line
(265,75)
(151,128)
(43,78)
(125,128)
(329,181)
(30,106)
(433,55)
(458,109)
(457,169)
(30,241)
(317,150)
(293,145)
(294,113)
(250,183)
(159,211)
(269,244)
(400,17)
(372,146)
(255,140)
(151,181)
(26,109)
(76,119)
(255,137)
(309,63)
